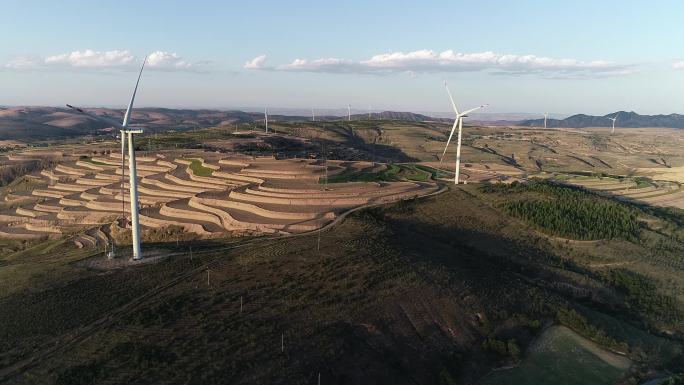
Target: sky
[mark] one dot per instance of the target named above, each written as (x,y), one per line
(561,57)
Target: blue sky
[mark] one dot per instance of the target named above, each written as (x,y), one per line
(518,56)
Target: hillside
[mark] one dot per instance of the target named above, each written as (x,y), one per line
(625,119)
(434,291)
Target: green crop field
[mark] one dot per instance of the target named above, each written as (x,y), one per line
(198,169)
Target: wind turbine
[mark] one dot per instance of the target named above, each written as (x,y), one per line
(132,172)
(614,118)
(266,119)
(545,115)
(348,112)
(459,122)
(313,115)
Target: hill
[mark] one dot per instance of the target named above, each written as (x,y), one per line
(394,115)
(433,291)
(625,119)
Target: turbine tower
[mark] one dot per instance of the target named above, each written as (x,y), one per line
(313,115)
(459,122)
(123,176)
(545,116)
(266,119)
(614,118)
(348,112)
(132,172)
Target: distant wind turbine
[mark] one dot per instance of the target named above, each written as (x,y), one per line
(313,115)
(132,172)
(614,118)
(545,116)
(459,122)
(266,119)
(348,112)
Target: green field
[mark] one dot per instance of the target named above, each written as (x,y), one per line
(95,162)
(562,357)
(198,169)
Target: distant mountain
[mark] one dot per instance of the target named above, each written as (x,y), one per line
(41,123)
(625,119)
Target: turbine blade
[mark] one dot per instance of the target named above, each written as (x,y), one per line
(102,119)
(453,105)
(127,117)
(453,128)
(474,109)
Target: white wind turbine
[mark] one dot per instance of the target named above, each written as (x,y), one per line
(459,122)
(132,172)
(348,112)
(266,119)
(614,118)
(313,115)
(545,116)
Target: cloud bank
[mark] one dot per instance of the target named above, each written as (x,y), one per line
(121,60)
(427,61)
(678,65)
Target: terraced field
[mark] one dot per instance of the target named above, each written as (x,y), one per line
(203,193)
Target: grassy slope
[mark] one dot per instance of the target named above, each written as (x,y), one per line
(401,294)
(562,357)
(392,173)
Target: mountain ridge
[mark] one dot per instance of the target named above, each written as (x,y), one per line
(625,119)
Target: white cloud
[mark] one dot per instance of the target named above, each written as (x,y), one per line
(678,65)
(88,59)
(170,61)
(256,63)
(427,61)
